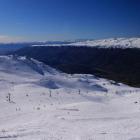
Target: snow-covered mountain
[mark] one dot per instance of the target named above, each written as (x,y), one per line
(102,43)
(44,75)
(38,102)
(112,42)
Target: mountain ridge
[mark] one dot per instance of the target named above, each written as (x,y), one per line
(102,43)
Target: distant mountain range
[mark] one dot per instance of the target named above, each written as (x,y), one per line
(116,59)
(112,42)
(103,43)
(6,48)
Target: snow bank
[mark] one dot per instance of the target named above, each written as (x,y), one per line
(38,102)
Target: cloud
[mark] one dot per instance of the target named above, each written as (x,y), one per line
(10,39)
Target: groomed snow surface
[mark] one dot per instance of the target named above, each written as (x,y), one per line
(38,102)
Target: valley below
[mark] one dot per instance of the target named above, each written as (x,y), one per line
(118,64)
